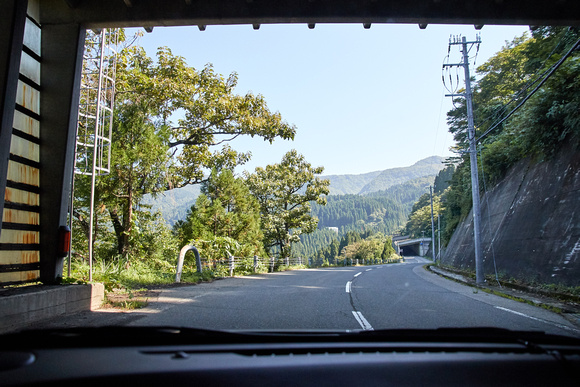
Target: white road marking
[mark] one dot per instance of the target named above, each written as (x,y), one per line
(539,319)
(368,269)
(348,286)
(362,321)
(357,274)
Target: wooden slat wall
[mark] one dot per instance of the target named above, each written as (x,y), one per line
(19,241)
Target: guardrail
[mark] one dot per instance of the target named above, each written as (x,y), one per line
(270,264)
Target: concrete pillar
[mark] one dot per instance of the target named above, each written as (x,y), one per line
(62,52)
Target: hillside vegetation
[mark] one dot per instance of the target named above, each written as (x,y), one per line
(398,184)
(527,119)
(380,213)
(539,129)
(383,211)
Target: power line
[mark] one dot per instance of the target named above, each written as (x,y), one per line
(517,95)
(551,72)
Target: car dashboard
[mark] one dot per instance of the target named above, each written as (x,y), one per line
(167,355)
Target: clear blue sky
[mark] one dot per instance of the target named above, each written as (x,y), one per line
(362,100)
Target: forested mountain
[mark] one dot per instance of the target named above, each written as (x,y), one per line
(382,180)
(310,243)
(391,177)
(173,204)
(408,192)
(350,184)
(358,212)
(384,212)
(400,185)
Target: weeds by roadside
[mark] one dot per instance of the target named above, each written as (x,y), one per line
(505,293)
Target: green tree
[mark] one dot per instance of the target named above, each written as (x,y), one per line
(420,218)
(388,249)
(284,192)
(225,209)
(548,121)
(213,115)
(443,179)
(139,165)
(350,238)
(153,152)
(369,249)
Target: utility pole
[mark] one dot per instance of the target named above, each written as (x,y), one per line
(479,277)
(432,226)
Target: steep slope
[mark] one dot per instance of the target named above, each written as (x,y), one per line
(530,224)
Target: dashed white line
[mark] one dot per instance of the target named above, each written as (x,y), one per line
(358,315)
(368,269)
(538,319)
(362,321)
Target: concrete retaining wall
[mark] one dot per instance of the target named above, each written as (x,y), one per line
(29,304)
(533,224)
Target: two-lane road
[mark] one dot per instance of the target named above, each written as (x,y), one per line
(391,296)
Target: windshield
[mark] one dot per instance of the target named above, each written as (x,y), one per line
(323,178)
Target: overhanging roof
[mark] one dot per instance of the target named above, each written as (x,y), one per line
(137,13)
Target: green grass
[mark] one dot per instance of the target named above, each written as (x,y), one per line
(128,304)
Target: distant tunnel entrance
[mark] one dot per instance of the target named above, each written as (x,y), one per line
(410,250)
(413,247)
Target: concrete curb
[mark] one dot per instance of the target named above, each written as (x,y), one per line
(34,305)
(569,310)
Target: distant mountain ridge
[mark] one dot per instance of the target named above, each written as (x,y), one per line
(381,180)
(174,204)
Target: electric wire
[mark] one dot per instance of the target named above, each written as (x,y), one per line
(530,83)
(501,110)
(550,73)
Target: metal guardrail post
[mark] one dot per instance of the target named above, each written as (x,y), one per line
(255,263)
(184,250)
(232,264)
(271,264)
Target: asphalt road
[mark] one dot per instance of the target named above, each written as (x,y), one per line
(390,296)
